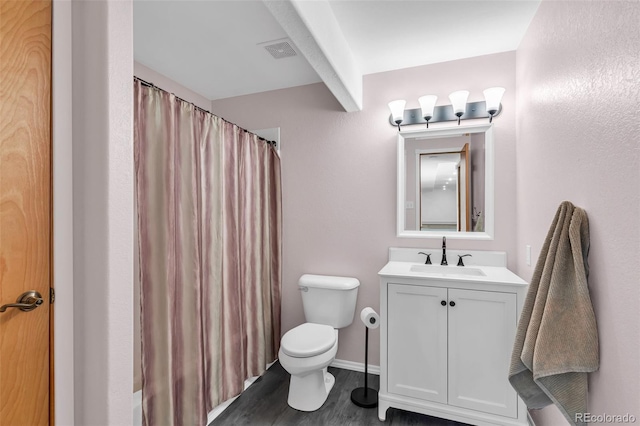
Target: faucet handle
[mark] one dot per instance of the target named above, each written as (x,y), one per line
(428,261)
(460,262)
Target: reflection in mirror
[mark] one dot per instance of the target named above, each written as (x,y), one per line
(443,191)
(446,183)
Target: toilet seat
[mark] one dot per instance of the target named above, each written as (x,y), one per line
(307,340)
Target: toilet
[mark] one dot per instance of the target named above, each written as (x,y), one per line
(307,350)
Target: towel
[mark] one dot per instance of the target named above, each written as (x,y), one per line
(556,342)
(479,226)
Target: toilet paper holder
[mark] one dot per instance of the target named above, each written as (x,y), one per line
(366,397)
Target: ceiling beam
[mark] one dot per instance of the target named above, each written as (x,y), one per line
(313,28)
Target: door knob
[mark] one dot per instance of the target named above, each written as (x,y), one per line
(26,302)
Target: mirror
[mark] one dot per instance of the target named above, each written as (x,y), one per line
(445,183)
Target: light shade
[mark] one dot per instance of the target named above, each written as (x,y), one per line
(459,101)
(397,110)
(427,104)
(493,96)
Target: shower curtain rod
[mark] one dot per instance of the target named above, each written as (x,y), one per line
(146,83)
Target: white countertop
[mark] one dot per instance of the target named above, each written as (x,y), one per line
(492,274)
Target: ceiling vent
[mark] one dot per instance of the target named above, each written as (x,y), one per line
(280,48)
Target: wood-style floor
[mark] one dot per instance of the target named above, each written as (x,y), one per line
(265,403)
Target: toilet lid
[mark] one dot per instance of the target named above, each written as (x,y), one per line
(308,339)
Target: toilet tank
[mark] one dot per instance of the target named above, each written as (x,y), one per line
(329,300)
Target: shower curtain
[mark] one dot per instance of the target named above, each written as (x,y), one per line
(209,224)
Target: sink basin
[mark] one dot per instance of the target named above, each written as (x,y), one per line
(484,267)
(448,270)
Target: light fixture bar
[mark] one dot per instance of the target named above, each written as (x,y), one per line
(445,113)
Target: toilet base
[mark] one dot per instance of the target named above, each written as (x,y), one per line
(309,392)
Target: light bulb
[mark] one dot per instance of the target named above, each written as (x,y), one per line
(493,96)
(427,104)
(459,102)
(397,110)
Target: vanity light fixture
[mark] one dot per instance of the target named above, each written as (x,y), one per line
(397,111)
(459,108)
(492,97)
(459,102)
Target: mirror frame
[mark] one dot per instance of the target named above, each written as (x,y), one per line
(487,129)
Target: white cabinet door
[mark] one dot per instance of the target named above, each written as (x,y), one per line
(417,342)
(482,326)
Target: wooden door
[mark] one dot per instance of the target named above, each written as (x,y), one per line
(464,190)
(482,327)
(25,209)
(417,342)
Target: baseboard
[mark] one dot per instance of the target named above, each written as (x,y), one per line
(137,408)
(355,366)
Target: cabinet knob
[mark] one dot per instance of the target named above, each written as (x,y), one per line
(452,303)
(443,303)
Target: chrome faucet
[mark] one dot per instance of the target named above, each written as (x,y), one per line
(444,251)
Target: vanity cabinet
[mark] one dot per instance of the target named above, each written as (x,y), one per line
(446,347)
(450,346)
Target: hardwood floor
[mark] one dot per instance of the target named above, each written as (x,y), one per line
(265,403)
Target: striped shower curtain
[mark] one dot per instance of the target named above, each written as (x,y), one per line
(209,224)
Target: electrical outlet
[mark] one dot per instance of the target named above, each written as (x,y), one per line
(408,205)
(528,254)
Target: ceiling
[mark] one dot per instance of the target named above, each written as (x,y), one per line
(214,47)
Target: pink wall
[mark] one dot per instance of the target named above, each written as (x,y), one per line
(62,162)
(102,130)
(578,94)
(339,176)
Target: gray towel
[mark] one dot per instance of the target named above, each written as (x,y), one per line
(556,343)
